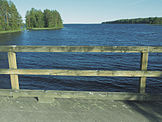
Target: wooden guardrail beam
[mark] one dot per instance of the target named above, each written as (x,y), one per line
(81,72)
(144,63)
(13,65)
(120,49)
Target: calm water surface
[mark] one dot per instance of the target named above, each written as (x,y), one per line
(92,35)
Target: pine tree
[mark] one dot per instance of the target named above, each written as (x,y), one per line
(39,19)
(33,18)
(28,24)
(59,23)
(47,19)
(9,16)
(15,20)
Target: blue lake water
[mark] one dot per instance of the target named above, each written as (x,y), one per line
(91,35)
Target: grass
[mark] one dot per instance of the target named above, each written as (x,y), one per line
(45,28)
(10,31)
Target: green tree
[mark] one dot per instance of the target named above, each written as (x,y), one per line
(47,19)
(15,20)
(28,24)
(57,20)
(150,20)
(9,16)
(39,19)
(33,18)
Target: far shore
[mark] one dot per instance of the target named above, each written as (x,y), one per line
(14,31)
(10,31)
(45,28)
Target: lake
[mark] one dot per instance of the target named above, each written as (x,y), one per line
(89,35)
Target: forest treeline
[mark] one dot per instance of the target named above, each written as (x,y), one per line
(46,19)
(10,19)
(150,20)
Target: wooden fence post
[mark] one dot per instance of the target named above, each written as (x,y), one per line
(144,64)
(13,65)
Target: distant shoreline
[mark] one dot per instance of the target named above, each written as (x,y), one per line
(44,29)
(10,31)
(35,29)
(149,20)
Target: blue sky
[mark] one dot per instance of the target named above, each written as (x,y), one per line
(94,11)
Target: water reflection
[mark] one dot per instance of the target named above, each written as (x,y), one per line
(10,38)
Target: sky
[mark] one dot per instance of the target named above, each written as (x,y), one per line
(94,11)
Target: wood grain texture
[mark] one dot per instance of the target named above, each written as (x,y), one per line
(120,49)
(81,72)
(144,64)
(13,65)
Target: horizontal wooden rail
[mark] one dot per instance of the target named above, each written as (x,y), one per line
(81,72)
(120,49)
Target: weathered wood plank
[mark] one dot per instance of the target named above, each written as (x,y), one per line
(6,92)
(81,72)
(13,65)
(82,95)
(120,49)
(144,63)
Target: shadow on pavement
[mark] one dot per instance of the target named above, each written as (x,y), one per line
(151,110)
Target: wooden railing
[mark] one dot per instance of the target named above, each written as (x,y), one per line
(143,73)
